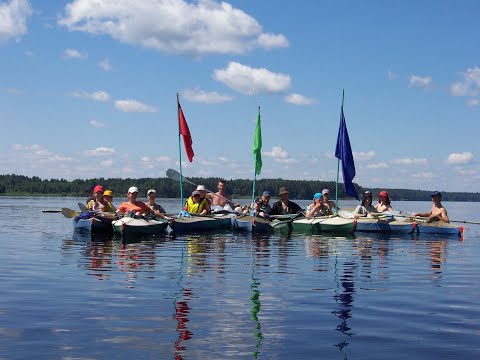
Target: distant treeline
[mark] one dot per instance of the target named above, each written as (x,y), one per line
(167,188)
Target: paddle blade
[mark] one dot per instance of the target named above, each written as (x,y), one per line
(175,175)
(172,174)
(69,213)
(83,208)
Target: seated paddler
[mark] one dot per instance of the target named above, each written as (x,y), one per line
(195,204)
(132,206)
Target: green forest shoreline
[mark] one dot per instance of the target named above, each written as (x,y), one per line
(20,185)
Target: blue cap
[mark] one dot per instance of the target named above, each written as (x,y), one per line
(317,195)
(266,193)
(436,193)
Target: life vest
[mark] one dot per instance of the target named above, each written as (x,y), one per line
(193,208)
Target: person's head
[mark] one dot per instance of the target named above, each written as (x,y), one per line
(317,198)
(283,193)
(151,194)
(266,197)
(258,204)
(202,190)
(436,197)
(108,195)
(367,198)
(196,196)
(222,184)
(132,193)
(98,192)
(325,193)
(383,198)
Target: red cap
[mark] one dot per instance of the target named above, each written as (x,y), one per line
(383,193)
(98,188)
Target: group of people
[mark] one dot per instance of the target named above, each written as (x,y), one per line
(202,202)
(101,201)
(366,209)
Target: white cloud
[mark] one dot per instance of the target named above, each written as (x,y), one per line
(13,19)
(418,81)
(469,86)
(12,91)
(247,80)
(391,76)
(410,161)
(298,99)
(279,155)
(105,65)
(96,95)
(380,165)
(106,163)
(473,102)
(74,54)
(173,26)
(201,96)
(364,155)
(424,175)
(133,106)
(100,151)
(96,124)
(276,152)
(38,153)
(162,159)
(270,41)
(460,158)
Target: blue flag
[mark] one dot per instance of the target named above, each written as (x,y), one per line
(343,152)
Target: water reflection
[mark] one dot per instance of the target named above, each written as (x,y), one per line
(344,297)
(182,308)
(255,310)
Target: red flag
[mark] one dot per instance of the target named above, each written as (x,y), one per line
(185,132)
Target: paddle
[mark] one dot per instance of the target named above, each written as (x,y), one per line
(69,213)
(175,175)
(51,211)
(426,219)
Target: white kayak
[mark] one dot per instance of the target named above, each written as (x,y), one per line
(131,226)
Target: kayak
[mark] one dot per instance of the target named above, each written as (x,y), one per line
(321,224)
(337,224)
(201,223)
(93,225)
(251,224)
(257,224)
(139,226)
(365,224)
(306,225)
(438,228)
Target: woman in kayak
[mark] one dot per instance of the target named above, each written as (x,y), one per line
(366,208)
(383,202)
(316,208)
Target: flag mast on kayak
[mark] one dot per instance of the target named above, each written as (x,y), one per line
(343,152)
(257,153)
(184,131)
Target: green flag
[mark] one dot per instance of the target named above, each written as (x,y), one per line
(257,146)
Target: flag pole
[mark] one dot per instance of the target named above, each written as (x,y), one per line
(254,168)
(338,160)
(180,154)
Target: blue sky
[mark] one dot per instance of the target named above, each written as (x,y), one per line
(88,88)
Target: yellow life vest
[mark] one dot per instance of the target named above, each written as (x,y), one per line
(193,208)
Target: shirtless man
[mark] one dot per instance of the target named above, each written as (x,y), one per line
(221,198)
(437,212)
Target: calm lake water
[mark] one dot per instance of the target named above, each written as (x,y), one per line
(233,295)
